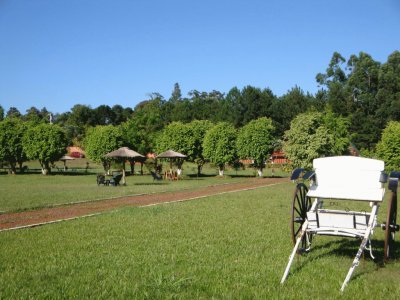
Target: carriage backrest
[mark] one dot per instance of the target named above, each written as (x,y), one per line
(348,177)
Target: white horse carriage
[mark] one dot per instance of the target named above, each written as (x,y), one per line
(342,178)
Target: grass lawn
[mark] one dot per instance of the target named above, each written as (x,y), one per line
(29,191)
(231,246)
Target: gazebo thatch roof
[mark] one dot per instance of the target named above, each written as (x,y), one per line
(171,154)
(124,152)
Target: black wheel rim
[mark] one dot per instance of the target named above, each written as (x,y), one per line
(300,206)
(390,227)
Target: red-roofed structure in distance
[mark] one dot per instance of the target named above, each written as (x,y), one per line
(278,157)
(76,152)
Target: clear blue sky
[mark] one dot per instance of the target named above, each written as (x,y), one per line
(58,53)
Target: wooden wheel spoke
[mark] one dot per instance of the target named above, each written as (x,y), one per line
(298,212)
(300,206)
(298,230)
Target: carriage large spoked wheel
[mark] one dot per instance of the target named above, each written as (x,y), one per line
(300,205)
(391,227)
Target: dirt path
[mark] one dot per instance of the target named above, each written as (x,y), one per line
(67,212)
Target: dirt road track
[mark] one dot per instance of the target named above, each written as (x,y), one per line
(43,216)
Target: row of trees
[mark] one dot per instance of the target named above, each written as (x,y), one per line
(22,141)
(311,135)
(200,141)
(363,95)
(363,90)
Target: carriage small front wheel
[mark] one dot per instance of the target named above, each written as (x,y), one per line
(301,204)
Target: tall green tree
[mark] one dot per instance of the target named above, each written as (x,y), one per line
(363,82)
(175,137)
(334,82)
(388,147)
(13,112)
(205,106)
(255,103)
(197,132)
(294,102)
(82,116)
(135,140)
(104,115)
(101,140)
(133,137)
(33,115)
(120,114)
(11,148)
(1,113)
(388,95)
(46,143)
(311,136)
(149,120)
(231,107)
(176,93)
(255,141)
(220,145)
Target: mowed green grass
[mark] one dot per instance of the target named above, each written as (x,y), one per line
(31,191)
(231,246)
(21,192)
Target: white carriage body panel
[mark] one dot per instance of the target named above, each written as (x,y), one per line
(348,177)
(323,218)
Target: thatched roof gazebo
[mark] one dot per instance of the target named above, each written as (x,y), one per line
(64,160)
(173,155)
(123,154)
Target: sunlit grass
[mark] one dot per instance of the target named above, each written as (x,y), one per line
(28,191)
(231,246)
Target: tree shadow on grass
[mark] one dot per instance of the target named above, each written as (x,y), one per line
(195,176)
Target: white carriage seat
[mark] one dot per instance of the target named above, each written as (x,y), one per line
(348,178)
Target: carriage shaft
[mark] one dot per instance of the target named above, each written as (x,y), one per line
(367,235)
(298,241)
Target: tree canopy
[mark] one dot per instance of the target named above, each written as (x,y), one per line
(388,147)
(46,143)
(255,141)
(11,149)
(101,140)
(220,145)
(312,135)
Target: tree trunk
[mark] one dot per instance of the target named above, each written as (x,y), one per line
(221,170)
(45,168)
(13,169)
(199,167)
(132,168)
(106,167)
(21,170)
(260,172)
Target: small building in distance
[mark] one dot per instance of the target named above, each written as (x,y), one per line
(278,157)
(76,152)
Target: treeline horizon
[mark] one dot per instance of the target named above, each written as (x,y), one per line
(360,89)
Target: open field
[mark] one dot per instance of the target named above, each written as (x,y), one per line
(30,191)
(226,246)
